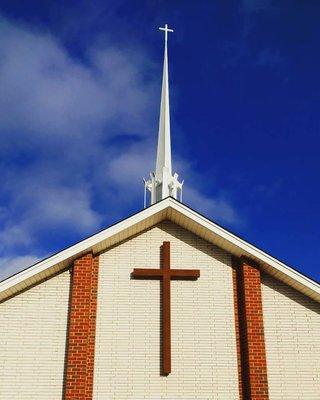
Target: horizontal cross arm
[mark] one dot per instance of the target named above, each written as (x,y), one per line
(166,29)
(185,273)
(146,273)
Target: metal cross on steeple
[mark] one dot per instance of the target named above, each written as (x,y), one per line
(166,30)
(162,183)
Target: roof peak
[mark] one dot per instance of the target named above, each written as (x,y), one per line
(178,213)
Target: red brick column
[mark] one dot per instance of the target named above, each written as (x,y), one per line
(81,332)
(250,331)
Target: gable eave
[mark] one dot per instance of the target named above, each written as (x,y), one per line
(178,213)
(214,233)
(96,243)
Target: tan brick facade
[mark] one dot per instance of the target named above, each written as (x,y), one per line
(236,334)
(204,356)
(236,265)
(33,329)
(292,335)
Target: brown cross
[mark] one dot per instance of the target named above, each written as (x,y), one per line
(165,274)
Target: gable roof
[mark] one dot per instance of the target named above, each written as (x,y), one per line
(167,209)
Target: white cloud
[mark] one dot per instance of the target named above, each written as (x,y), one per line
(132,164)
(56,109)
(61,124)
(11,265)
(47,92)
(217,208)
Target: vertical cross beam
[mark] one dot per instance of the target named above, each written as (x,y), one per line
(166,309)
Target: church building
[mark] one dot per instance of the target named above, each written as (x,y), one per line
(164,305)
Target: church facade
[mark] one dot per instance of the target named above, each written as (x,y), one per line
(165,304)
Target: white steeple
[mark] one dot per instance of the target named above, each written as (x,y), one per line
(161,183)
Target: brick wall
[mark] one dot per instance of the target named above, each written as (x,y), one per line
(204,356)
(229,339)
(33,327)
(81,332)
(292,335)
(250,331)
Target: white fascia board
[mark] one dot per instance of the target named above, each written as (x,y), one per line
(248,248)
(84,246)
(88,245)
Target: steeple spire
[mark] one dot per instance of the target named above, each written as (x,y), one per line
(161,183)
(164,143)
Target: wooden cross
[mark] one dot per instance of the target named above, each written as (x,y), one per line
(165,274)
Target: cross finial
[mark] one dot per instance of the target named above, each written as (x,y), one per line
(166,30)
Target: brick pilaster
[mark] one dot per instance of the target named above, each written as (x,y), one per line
(81,332)
(250,332)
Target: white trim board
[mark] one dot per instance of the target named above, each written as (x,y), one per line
(178,213)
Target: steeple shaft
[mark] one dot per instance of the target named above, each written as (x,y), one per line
(164,140)
(161,183)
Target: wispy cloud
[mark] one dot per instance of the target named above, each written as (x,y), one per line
(242,50)
(10,265)
(270,58)
(217,208)
(251,6)
(75,138)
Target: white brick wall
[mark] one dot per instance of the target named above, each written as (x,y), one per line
(127,361)
(292,331)
(32,341)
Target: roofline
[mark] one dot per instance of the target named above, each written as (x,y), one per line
(82,246)
(74,244)
(249,242)
(215,230)
(237,237)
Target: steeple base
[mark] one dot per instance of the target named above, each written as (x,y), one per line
(161,188)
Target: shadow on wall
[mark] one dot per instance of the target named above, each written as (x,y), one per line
(291,293)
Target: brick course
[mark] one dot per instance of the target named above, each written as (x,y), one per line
(251,351)
(81,332)
(291,326)
(33,328)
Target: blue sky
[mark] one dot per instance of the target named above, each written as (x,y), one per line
(79,103)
